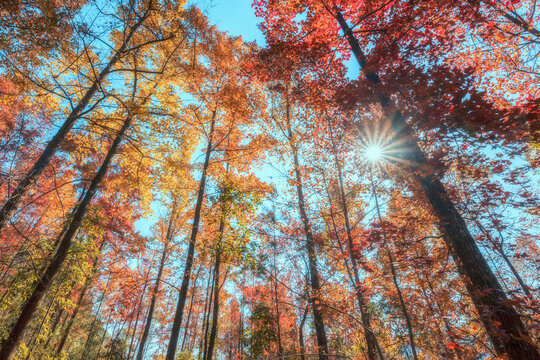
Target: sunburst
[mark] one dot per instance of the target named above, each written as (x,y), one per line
(378,145)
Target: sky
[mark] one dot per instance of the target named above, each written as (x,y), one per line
(234,16)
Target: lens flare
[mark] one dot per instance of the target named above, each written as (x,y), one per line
(374,153)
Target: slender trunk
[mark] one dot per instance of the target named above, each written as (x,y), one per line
(482,284)
(402,302)
(91,330)
(9,208)
(320,331)
(35,334)
(500,250)
(301,334)
(394,273)
(371,340)
(207,310)
(85,288)
(215,311)
(192,298)
(139,308)
(105,332)
(241,331)
(449,337)
(175,332)
(18,330)
(276,300)
(54,325)
(155,292)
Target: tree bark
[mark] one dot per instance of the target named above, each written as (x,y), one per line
(301,334)
(171,349)
(155,292)
(18,330)
(215,310)
(206,317)
(482,284)
(9,208)
(320,331)
(139,308)
(394,273)
(371,340)
(192,298)
(499,247)
(79,301)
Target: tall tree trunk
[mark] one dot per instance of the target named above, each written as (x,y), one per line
(33,339)
(192,298)
(320,331)
(85,288)
(14,199)
(371,340)
(155,292)
(175,332)
(278,315)
(394,273)
(17,331)
(204,315)
(482,284)
(500,250)
(206,318)
(301,334)
(94,321)
(215,310)
(139,308)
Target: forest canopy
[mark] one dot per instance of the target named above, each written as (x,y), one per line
(362,184)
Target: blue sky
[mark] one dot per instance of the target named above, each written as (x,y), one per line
(235,16)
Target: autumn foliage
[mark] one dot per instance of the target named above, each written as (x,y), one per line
(362,186)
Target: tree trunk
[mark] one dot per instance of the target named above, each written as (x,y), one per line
(301,334)
(215,311)
(498,246)
(483,286)
(155,292)
(393,271)
(9,208)
(98,310)
(17,331)
(139,308)
(315,297)
(193,296)
(79,301)
(278,315)
(171,349)
(371,340)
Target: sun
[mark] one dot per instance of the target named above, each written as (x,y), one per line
(374,153)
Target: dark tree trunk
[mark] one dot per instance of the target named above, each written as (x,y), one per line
(9,208)
(371,340)
(207,314)
(500,250)
(16,333)
(278,315)
(94,321)
(482,284)
(315,297)
(85,288)
(301,334)
(155,292)
(139,308)
(171,349)
(394,273)
(193,296)
(215,310)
